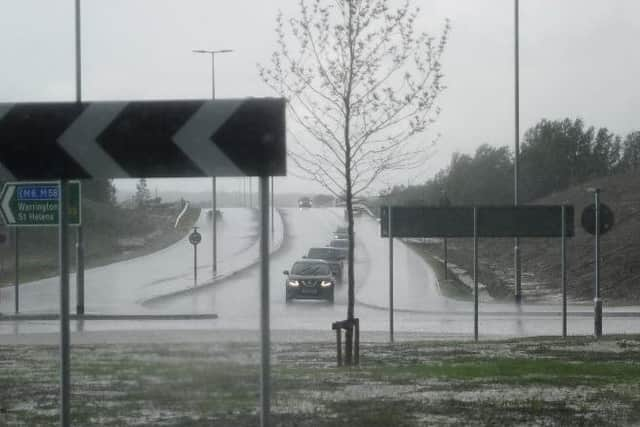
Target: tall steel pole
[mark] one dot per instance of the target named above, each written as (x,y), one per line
(516,248)
(214,231)
(597,301)
(65,375)
(214,219)
(79,233)
(16,235)
(265,326)
(390,275)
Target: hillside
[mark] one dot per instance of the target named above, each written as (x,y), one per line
(620,251)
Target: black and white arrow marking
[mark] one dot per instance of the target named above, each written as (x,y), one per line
(142,139)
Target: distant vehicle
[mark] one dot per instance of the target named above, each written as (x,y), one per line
(218,214)
(309,279)
(341,233)
(333,256)
(304,202)
(339,243)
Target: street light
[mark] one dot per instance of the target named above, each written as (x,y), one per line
(213,179)
(516,249)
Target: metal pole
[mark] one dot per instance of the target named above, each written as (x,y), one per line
(390,277)
(597,301)
(273,228)
(475,273)
(79,270)
(63,229)
(214,227)
(446,268)
(17,272)
(195,266)
(265,371)
(516,248)
(213,75)
(79,234)
(563,264)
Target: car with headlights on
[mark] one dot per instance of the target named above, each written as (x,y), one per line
(341,233)
(309,279)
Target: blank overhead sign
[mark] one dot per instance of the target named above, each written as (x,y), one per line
(493,221)
(231,137)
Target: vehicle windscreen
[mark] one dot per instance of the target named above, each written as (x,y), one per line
(310,269)
(339,243)
(323,253)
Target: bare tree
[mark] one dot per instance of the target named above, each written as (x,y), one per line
(361,81)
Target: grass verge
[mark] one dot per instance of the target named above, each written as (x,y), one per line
(549,381)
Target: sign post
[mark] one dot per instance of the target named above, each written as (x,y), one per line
(563,267)
(195,238)
(477,222)
(150,139)
(475,273)
(17,272)
(390,275)
(597,219)
(265,325)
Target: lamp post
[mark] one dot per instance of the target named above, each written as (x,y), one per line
(516,246)
(213,179)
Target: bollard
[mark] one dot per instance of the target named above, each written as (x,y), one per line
(353,326)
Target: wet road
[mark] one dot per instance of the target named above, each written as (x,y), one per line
(421,310)
(119,288)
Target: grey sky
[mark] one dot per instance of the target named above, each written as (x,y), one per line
(578,58)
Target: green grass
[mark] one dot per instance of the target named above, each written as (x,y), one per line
(516,371)
(459,383)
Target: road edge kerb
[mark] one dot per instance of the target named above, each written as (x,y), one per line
(221,277)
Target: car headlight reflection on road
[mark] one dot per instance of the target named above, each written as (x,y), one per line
(293,283)
(326,284)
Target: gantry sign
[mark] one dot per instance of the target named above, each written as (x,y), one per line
(152,139)
(493,221)
(477,222)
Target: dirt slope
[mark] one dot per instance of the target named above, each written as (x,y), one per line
(620,251)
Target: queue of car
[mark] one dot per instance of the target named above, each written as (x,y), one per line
(315,275)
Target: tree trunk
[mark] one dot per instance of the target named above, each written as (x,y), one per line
(351,275)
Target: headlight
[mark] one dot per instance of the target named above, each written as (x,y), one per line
(326,283)
(293,283)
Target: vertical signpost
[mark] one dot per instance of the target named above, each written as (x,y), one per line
(16,235)
(265,374)
(195,238)
(65,375)
(390,275)
(563,267)
(597,301)
(475,273)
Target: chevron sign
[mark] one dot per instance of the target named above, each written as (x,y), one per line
(154,139)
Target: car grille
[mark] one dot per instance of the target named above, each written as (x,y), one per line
(310,283)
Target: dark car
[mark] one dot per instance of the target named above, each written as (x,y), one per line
(341,233)
(304,202)
(339,243)
(309,279)
(333,256)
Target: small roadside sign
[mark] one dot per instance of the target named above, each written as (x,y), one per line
(37,203)
(195,238)
(588,218)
